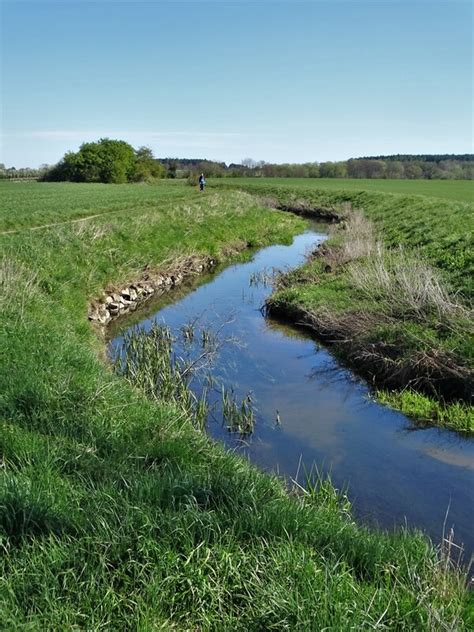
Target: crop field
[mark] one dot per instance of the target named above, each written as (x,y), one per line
(114,508)
(460,190)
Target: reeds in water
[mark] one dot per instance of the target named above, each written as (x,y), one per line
(147,359)
(151,361)
(237,418)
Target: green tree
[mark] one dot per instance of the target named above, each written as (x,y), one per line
(103,161)
(146,166)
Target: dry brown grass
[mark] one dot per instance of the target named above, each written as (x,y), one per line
(404,285)
(355,238)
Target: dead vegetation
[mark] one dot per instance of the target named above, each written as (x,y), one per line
(395,363)
(301,206)
(405,285)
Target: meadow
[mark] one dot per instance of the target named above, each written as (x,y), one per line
(115,512)
(460,190)
(32,204)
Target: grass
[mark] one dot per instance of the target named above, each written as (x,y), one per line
(457,190)
(393,289)
(116,512)
(440,230)
(32,204)
(429,410)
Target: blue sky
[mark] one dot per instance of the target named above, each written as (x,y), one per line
(277,81)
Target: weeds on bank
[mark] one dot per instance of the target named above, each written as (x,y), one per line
(457,415)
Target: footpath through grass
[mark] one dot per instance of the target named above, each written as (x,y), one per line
(115,513)
(393,289)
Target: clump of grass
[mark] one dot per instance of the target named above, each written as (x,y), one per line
(16,282)
(457,415)
(352,239)
(404,285)
(237,418)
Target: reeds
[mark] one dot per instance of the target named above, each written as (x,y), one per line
(151,360)
(237,418)
(148,361)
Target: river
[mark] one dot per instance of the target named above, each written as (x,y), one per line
(310,412)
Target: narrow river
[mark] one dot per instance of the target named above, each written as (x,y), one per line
(311,412)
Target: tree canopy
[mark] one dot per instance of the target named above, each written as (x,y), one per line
(108,161)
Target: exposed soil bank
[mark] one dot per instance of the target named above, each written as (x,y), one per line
(305,208)
(318,213)
(377,362)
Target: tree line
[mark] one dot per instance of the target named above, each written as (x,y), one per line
(397,167)
(115,161)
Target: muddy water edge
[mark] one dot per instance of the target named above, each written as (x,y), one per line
(310,412)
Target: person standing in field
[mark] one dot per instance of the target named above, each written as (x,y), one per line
(202,182)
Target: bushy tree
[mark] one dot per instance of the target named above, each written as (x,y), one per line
(146,166)
(111,161)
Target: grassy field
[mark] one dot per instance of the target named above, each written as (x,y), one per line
(115,513)
(459,190)
(29,204)
(394,292)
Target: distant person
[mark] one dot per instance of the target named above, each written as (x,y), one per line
(202,182)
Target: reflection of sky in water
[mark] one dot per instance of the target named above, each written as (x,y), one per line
(327,418)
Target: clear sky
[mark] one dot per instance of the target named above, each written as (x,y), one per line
(287,81)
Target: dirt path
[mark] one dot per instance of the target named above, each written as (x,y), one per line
(69,221)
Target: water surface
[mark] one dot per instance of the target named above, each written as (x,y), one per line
(311,411)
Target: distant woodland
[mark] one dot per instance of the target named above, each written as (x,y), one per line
(115,161)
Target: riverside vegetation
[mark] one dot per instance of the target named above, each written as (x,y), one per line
(392,290)
(116,510)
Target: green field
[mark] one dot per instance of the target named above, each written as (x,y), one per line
(29,204)
(113,508)
(35,204)
(461,190)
